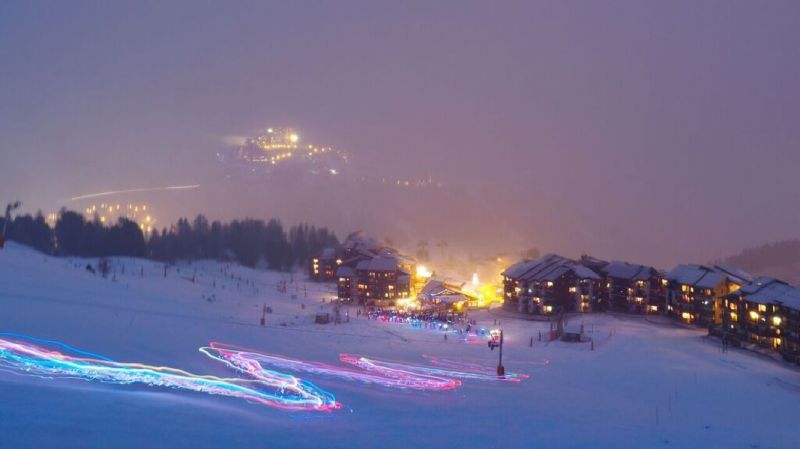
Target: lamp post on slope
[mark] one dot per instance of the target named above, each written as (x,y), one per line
(496,341)
(501,371)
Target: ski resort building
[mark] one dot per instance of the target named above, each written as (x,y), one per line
(765,313)
(356,248)
(323,267)
(634,288)
(380,281)
(695,293)
(345,283)
(366,272)
(551,284)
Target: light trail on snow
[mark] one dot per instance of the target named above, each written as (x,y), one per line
(388,368)
(24,355)
(369,371)
(255,364)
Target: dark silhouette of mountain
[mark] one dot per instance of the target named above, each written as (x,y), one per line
(779,259)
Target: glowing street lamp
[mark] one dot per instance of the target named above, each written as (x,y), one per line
(496,341)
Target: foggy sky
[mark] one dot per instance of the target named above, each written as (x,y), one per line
(651,131)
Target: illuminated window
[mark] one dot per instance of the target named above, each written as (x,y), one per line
(754,315)
(762,308)
(776,320)
(734,316)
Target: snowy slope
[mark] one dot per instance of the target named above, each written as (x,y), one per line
(647,385)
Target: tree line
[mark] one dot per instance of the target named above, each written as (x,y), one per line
(248,241)
(778,254)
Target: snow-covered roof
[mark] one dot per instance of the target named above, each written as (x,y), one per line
(519,268)
(735,274)
(687,274)
(706,277)
(593,262)
(624,270)
(710,280)
(548,268)
(447,298)
(378,264)
(584,272)
(433,286)
(756,285)
(766,290)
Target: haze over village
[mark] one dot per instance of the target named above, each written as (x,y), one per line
(350,224)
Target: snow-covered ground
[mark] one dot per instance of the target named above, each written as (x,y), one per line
(647,385)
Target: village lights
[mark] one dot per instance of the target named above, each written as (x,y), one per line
(423,272)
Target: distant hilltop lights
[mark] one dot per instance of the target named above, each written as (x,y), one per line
(276,139)
(277,146)
(282,150)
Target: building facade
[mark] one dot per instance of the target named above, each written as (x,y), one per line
(381,281)
(634,288)
(323,267)
(550,285)
(695,293)
(765,313)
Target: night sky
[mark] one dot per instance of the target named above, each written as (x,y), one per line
(652,131)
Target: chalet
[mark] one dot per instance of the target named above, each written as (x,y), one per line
(380,281)
(634,288)
(441,295)
(765,313)
(695,293)
(551,284)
